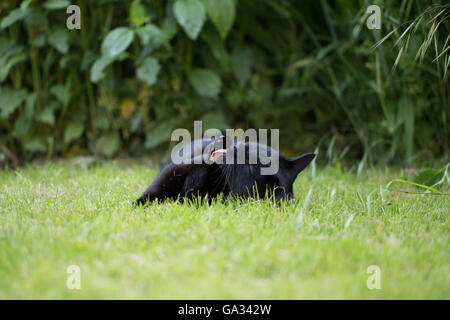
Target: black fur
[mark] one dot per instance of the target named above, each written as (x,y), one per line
(189,180)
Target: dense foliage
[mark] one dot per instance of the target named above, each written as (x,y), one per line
(136,70)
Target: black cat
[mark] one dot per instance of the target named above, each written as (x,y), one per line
(223,173)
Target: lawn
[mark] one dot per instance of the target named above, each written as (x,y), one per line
(319,246)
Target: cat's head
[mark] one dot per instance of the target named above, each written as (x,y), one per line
(253,169)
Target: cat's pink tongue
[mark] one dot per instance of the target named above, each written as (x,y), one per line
(216,154)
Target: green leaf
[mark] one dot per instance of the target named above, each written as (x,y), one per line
(62,93)
(47,115)
(108,144)
(241,61)
(169,26)
(10,99)
(99,66)
(222,14)
(205,82)
(215,43)
(101,121)
(25,3)
(191,16)
(88,59)
(36,144)
(21,125)
(151,32)
(136,122)
(15,15)
(72,132)
(10,55)
(431,177)
(137,13)
(148,71)
(56,4)
(117,41)
(35,20)
(38,41)
(59,39)
(159,134)
(29,105)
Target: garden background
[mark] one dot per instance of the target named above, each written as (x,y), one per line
(136,70)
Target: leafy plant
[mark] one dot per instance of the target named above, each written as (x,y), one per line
(428,179)
(138,69)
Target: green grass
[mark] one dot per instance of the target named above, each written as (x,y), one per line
(56,215)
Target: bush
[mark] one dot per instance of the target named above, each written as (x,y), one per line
(136,70)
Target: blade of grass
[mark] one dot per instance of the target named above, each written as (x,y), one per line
(414,184)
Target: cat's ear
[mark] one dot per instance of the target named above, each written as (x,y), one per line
(297,164)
